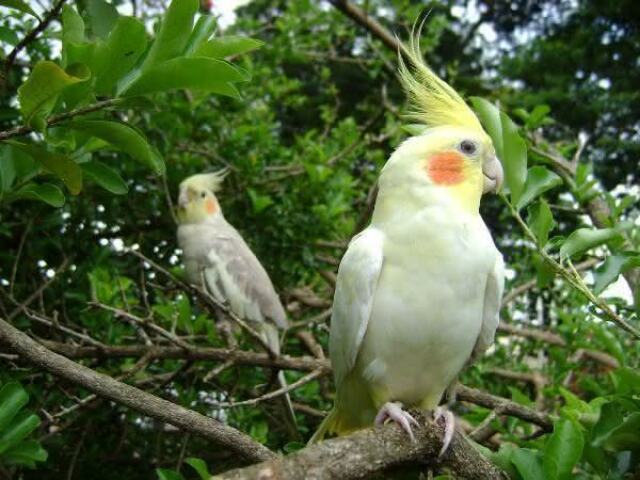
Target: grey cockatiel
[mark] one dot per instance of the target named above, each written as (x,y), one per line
(217,257)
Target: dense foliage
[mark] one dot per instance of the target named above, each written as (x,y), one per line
(107,108)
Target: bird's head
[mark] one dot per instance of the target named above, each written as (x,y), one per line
(197,201)
(453,153)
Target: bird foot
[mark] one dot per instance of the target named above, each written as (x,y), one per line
(393,411)
(449,427)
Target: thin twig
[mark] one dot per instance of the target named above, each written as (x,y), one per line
(56,119)
(143,322)
(14,270)
(36,293)
(275,393)
(574,279)
(32,35)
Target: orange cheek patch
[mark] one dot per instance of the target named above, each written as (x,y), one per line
(445,168)
(211,206)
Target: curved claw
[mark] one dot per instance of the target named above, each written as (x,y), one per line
(393,411)
(449,427)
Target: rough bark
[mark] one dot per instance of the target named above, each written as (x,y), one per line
(366,452)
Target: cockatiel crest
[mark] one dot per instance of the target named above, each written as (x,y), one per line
(434,103)
(206,181)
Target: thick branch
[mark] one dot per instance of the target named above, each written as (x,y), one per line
(362,454)
(143,402)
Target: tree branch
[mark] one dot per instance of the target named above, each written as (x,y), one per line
(55,119)
(239,357)
(33,34)
(371,24)
(143,402)
(506,407)
(370,451)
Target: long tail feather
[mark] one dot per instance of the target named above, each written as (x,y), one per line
(287,409)
(326,426)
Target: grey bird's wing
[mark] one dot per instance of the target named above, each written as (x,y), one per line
(233,272)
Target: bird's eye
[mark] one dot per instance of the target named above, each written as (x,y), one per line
(203,194)
(468,147)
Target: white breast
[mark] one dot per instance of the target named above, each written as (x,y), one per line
(427,310)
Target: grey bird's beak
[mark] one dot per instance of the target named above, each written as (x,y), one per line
(493,175)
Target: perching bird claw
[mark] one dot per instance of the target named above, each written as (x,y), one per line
(393,411)
(449,427)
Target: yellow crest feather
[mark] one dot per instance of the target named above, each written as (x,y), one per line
(210,181)
(434,103)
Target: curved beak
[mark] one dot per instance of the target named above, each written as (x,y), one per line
(493,175)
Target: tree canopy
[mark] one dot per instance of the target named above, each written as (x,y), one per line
(107,105)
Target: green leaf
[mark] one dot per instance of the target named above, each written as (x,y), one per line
(529,464)
(174,32)
(21,426)
(16,166)
(122,137)
(164,474)
(539,180)
(199,466)
(45,192)
(489,116)
(25,453)
(205,26)
(584,239)
(537,116)
(102,17)
(227,46)
(72,26)
(541,221)
(563,449)
(206,74)
(259,202)
(626,381)
(610,419)
(9,36)
(610,270)
(60,165)
(502,458)
(12,398)
(514,158)
(626,436)
(7,169)
(119,54)
(19,5)
(105,176)
(38,94)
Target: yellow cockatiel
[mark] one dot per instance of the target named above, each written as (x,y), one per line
(419,290)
